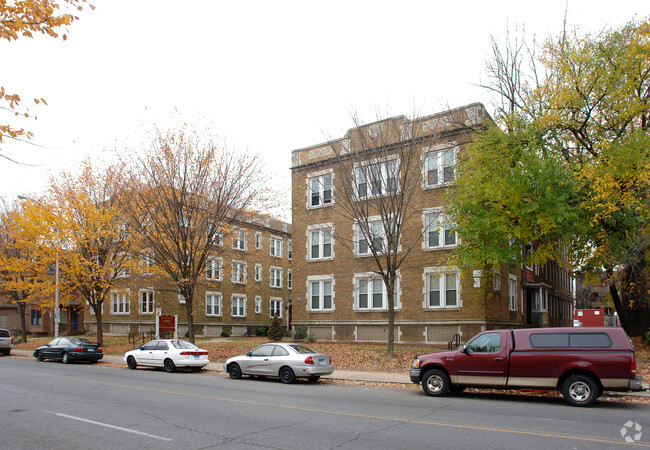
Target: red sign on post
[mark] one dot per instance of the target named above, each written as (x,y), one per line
(166,323)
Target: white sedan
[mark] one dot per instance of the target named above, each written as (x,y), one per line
(287,361)
(167,353)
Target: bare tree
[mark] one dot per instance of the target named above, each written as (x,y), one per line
(185,195)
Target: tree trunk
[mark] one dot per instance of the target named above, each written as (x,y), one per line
(100,326)
(22,308)
(189,303)
(632,304)
(391,320)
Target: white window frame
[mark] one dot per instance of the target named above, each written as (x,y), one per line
(210,297)
(258,304)
(150,303)
(290,249)
(376,224)
(321,230)
(239,240)
(436,156)
(367,173)
(181,298)
(321,281)
(217,237)
(370,280)
(258,272)
(124,271)
(441,274)
(512,292)
(258,240)
(239,272)
(275,246)
(275,279)
(289,279)
(436,217)
(147,261)
(120,302)
(496,281)
(316,189)
(238,301)
(214,266)
(278,303)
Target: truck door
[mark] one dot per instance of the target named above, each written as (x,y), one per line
(483,361)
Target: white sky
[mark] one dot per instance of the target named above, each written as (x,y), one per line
(268,76)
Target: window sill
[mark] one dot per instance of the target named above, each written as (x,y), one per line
(321,311)
(443,308)
(326,205)
(213,315)
(330,258)
(437,186)
(437,249)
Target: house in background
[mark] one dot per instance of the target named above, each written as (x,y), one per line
(337,297)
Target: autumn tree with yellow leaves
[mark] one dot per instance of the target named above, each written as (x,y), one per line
(186,191)
(24,19)
(566,165)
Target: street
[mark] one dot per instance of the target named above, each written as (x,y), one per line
(54,406)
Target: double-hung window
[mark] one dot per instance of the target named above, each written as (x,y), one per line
(258,304)
(440,166)
(239,240)
(375,179)
(276,277)
(276,247)
(320,190)
(378,237)
(37,318)
(147,261)
(238,306)
(119,303)
(212,304)
(442,289)
(372,293)
(289,249)
(320,243)
(239,272)
(258,272)
(496,281)
(289,279)
(258,240)
(321,294)
(276,307)
(214,235)
(438,231)
(213,269)
(146,301)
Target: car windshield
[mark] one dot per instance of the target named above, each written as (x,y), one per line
(300,349)
(4,333)
(184,345)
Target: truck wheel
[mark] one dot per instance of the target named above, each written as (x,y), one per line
(580,390)
(436,383)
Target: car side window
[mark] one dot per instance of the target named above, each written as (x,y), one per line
(150,345)
(485,343)
(162,345)
(264,350)
(63,342)
(53,342)
(279,351)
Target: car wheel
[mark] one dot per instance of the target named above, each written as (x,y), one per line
(287,376)
(169,365)
(580,390)
(313,378)
(39,356)
(234,371)
(435,382)
(65,358)
(130,361)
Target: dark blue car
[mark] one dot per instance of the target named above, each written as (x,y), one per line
(66,349)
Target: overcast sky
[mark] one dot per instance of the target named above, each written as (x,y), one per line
(267,76)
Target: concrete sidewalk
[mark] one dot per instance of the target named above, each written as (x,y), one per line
(349,375)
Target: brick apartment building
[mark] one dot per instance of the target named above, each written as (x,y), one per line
(336,295)
(245,283)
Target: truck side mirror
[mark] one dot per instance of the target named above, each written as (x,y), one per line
(464,350)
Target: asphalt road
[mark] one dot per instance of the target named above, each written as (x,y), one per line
(49,405)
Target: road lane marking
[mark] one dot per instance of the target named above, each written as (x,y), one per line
(365,416)
(107,425)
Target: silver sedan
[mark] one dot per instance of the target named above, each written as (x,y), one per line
(285,360)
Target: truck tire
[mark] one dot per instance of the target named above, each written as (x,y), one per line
(580,390)
(435,382)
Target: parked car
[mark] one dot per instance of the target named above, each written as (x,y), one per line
(167,353)
(285,360)
(6,342)
(67,349)
(580,362)
(577,323)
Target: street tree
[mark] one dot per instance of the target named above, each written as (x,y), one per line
(565,168)
(186,193)
(24,19)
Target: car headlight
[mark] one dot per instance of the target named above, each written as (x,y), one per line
(416,363)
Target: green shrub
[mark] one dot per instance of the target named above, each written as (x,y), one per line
(261,331)
(299,334)
(311,338)
(225,334)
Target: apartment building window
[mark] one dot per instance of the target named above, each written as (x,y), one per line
(512,292)
(276,307)
(439,231)
(276,247)
(239,272)
(239,239)
(289,249)
(258,304)
(320,190)
(440,166)
(146,301)
(120,303)
(147,261)
(442,290)
(377,239)
(258,272)
(321,294)
(320,243)
(258,240)
(377,179)
(238,306)
(181,298)
(212,304)
(213,269)
(372,293)
(36,318)
(496,281)
(122,261)
(214,235)
(289,279)
(276,277)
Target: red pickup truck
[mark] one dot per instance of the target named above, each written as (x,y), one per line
(581,362)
